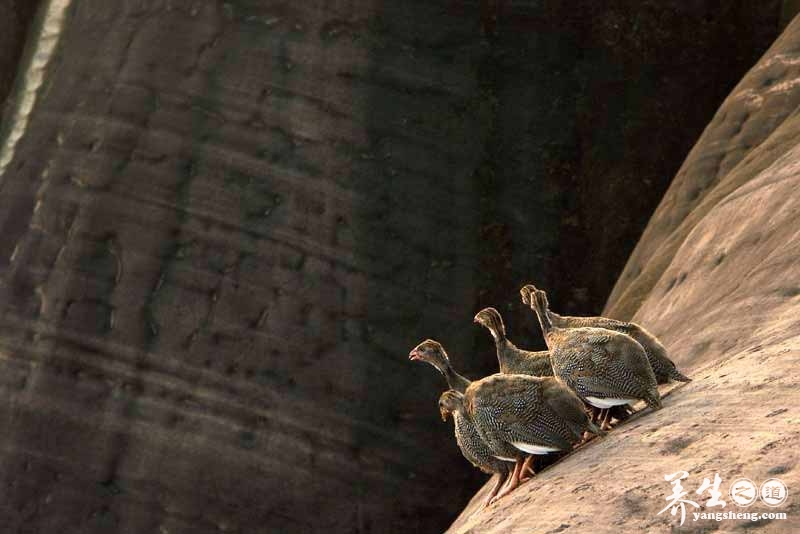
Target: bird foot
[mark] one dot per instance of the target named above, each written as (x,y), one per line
(527,474)
(606,425)
(505,491)
(483,506)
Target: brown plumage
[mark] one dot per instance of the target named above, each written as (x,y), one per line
(540,414)
(663,368)
(518,415)
(605,368)
(472,446)
(513,360)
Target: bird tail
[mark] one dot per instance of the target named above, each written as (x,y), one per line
(490,319)
(677,375)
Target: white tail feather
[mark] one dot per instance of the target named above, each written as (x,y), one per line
(533,449)
(597,402)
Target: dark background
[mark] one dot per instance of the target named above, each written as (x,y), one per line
(252,210)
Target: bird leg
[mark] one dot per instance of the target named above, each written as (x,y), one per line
(501,478)
(593,412)
(601,413)
(527,470)
(513,482)
(606,422)
(508,478)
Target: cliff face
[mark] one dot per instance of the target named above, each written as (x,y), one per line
(716,277)
(226,223)
(200,321)
(15,18)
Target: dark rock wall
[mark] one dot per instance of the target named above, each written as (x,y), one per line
(228,223)
(15,18)
(219,246)
(789,11)
(599,102)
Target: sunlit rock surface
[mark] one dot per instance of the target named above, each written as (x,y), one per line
(716,277)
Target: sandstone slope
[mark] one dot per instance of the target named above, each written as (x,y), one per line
(716,276)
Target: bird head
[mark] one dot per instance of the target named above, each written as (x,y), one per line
(449,402)
(526,293)
(485,316)
(432,352)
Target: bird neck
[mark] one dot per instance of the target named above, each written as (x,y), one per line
(541,312)
(454,380)
(507,355)
(499,337)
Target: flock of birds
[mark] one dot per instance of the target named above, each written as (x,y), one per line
(548,401)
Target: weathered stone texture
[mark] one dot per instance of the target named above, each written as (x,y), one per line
(228,222)
(216,250)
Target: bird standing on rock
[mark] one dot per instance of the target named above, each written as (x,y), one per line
(513,360)
(516,415)
(605,368)
(433,353)
(519,415)
(472,446)
(663,367)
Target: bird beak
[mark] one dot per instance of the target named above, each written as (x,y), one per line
(414,355)
(443,413)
